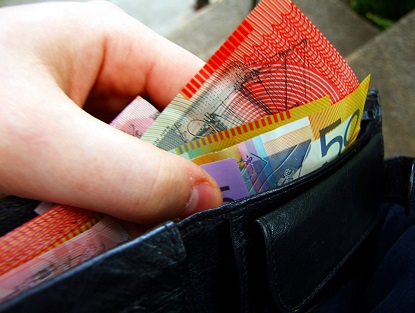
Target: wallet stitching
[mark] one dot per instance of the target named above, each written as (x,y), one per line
(186,231)
(181,266)
(244,264)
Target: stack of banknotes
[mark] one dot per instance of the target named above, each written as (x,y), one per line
(273,104)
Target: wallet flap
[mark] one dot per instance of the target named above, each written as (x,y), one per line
(310,238)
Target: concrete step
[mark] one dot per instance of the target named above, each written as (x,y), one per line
(159,15)
(345,29)
(390,58)
(205,31)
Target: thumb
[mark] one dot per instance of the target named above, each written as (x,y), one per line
(65,155)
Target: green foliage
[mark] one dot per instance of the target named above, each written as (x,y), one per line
(380,22)
(382,12)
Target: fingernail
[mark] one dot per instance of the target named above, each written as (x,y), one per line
(203,197)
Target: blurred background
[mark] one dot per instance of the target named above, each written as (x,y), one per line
(375,36)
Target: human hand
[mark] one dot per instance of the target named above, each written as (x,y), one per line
(57,58)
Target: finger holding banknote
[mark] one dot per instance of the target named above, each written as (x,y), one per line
(59,58)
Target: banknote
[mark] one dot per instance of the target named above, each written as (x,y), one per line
(228,176)
(259,158)
(319,122)
(266,165)
(277,157)
(42,207)
(229,137)
(104,235)
(46,231)
(274,61)
(136,118)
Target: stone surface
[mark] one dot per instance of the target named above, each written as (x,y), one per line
(206,31)
(343,28)
(160,15)
(390,58)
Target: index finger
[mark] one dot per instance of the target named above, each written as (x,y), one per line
(96,51)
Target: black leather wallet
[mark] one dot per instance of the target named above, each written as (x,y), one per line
(285,250)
